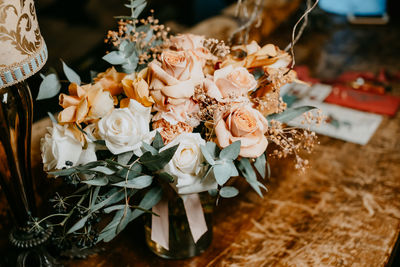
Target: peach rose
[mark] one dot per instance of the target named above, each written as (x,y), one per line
(229,82)
(192,43)
(84,103)
(245,124)
(172,82)
(137,88)
(110,80)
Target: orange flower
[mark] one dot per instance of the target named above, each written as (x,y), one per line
(137,88)
(84,103)
(110,80)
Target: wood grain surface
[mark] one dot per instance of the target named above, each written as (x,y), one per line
(343,211)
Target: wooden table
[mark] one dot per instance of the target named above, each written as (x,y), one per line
(343,211)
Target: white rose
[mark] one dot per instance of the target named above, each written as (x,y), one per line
(125,129)
(186,166)
(60,147)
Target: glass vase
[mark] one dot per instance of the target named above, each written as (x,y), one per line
(181,243)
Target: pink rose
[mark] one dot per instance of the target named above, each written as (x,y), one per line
(230,82)
(245,124)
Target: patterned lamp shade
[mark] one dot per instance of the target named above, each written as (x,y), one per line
(23,51)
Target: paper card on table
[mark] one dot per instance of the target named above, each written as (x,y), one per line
(294,92)
(342,123)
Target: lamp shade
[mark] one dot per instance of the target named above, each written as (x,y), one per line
(23,51)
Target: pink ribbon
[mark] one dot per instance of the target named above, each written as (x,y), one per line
(194,213)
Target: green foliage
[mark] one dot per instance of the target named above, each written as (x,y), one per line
(259,164)
(249,174)
(290,114)
(72,76)
(158,161)
(221,162)
(49,87)
(228,192)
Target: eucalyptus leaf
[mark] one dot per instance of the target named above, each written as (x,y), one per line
(135,3)
(138,10)
(268,170)
(290,114)
(134,171)
(124,158)
(146,147)
(79,224)
(222,173)
(109,232)
(124,219)
(136,183)
(210,168)
(114,208)
(52,118)
(129,67)
(103,170)
(149,35)
(230,152)
(157,162)
(260,165)
(209,158)
(128,49)
(49,87)
(72,76)
(94,196)
(158,142)
(212,148)
(152,197)
(228,192)
(64,172)
(115,58)
(98,181)
(249,174)
(113,198)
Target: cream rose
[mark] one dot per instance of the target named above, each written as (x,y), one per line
(245,124)
(60,149)
(230,83)
(186,166)
(125,129)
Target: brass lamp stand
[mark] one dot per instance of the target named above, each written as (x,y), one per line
(22,53)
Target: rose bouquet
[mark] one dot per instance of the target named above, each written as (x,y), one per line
(181,112)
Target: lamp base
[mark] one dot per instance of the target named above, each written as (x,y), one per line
(30,248)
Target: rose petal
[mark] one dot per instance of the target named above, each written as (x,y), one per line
(222,133)
(82,111)
(159,73)
(184,89)
(254,151)
(67,101)
(67,115)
